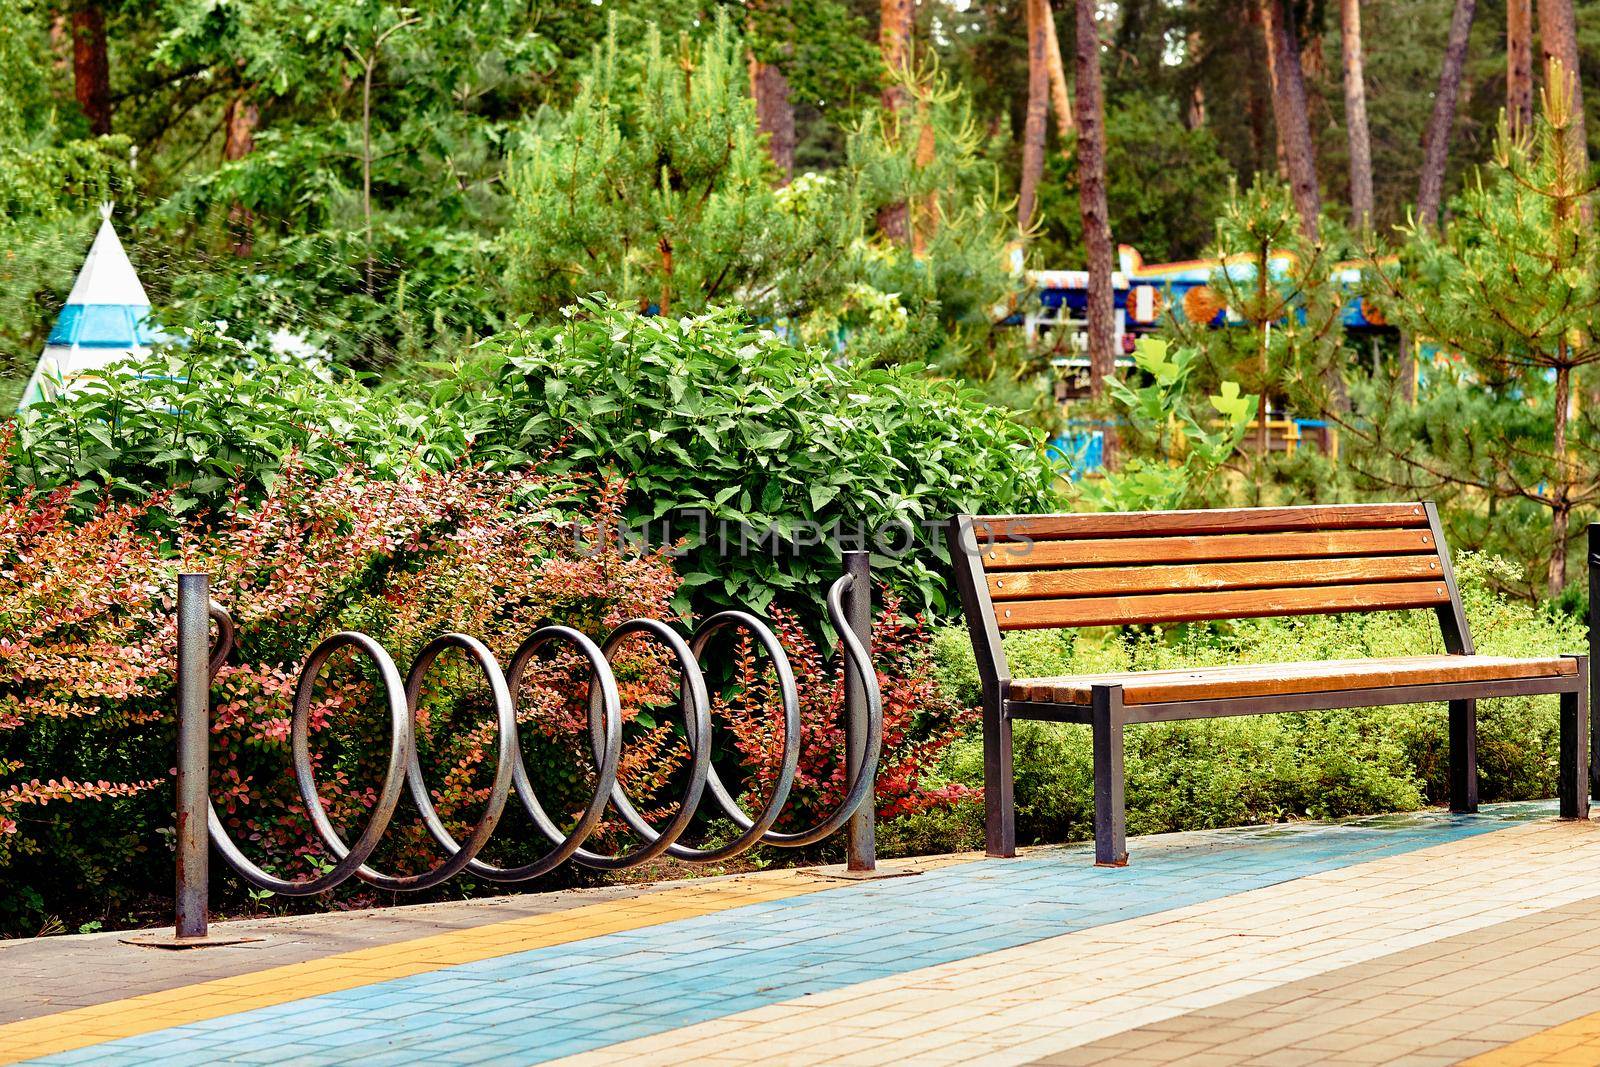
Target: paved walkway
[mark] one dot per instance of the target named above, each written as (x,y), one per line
(1419,939)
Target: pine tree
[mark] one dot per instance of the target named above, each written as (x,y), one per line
(655,187)
(1284,338)
(1511,290)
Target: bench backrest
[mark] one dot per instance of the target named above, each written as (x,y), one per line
(1029,572)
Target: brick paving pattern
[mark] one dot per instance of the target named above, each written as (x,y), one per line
(1428,1006)
(1427,938)
(51,974)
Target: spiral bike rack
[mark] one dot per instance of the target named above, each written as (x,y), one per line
(198,825)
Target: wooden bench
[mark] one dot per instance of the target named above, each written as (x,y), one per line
(1030,572)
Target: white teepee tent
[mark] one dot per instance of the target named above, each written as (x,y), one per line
(106,319)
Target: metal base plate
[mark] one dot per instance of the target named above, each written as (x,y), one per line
(839,872)
(169,940)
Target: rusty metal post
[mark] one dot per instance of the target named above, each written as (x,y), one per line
(194,741)
(862,847)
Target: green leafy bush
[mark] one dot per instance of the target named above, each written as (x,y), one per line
(779,448)
(1180,449)
(725,432)
(1223,772)
(214,421)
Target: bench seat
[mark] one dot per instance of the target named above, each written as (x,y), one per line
(1272,679)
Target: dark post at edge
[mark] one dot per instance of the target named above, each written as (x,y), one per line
(861,844)
(1594,658)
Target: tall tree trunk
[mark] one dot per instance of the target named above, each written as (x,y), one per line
(894,45)
(1290,111)
(1092,202)
(1195,116)
(1060,95)
(925,216)
(60,41)
(774,114)
(239,140)
(90,67)
(1436,139)
(1519,64)
(1033,128)
(1558,39)
(1561,508)
(1260,91)
(1355,113)
(1408,367)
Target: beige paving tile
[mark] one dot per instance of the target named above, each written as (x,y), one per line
(1358,965)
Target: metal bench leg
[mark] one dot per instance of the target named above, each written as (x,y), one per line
(1464,755)
(1574,788)
(1000,811)
(1110,819)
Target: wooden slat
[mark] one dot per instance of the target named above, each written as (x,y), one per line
(1273,574)
(1153,550)
(1216,520)
(1233,604)
(1249,680)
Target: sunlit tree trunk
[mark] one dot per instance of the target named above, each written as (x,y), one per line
(1260,93)
(1033,127)
(1355,113)
(925,218)
(1436,139)
(239,140)
(90,68)
(1060,94)
(1195,114)
(1558,39)
(774,114)
(60,41)
(1092,201)
(1519,64)
(1561,509)
(894,45)
(1290,111)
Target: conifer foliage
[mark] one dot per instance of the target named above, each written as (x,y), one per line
(1510,293)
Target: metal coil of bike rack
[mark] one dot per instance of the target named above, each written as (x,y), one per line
(200,660)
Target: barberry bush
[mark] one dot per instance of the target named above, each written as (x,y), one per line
(920,721)
(87,662)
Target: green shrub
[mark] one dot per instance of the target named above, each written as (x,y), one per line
(777,447)
(716,424)
(1267,768)
(213,419)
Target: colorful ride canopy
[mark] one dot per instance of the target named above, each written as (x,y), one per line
(106,319)
(1189,289)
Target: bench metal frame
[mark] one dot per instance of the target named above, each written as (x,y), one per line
(1107,715)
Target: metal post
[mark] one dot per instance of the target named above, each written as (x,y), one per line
(194,741)
(1594,657)
(862,843)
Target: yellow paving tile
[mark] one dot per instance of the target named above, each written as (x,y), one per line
(1576,1042)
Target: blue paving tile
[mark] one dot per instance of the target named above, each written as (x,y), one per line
(539,1005)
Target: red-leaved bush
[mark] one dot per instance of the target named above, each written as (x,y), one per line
(87,659)
(919,721)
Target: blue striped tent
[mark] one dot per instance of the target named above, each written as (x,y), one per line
(106,319)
